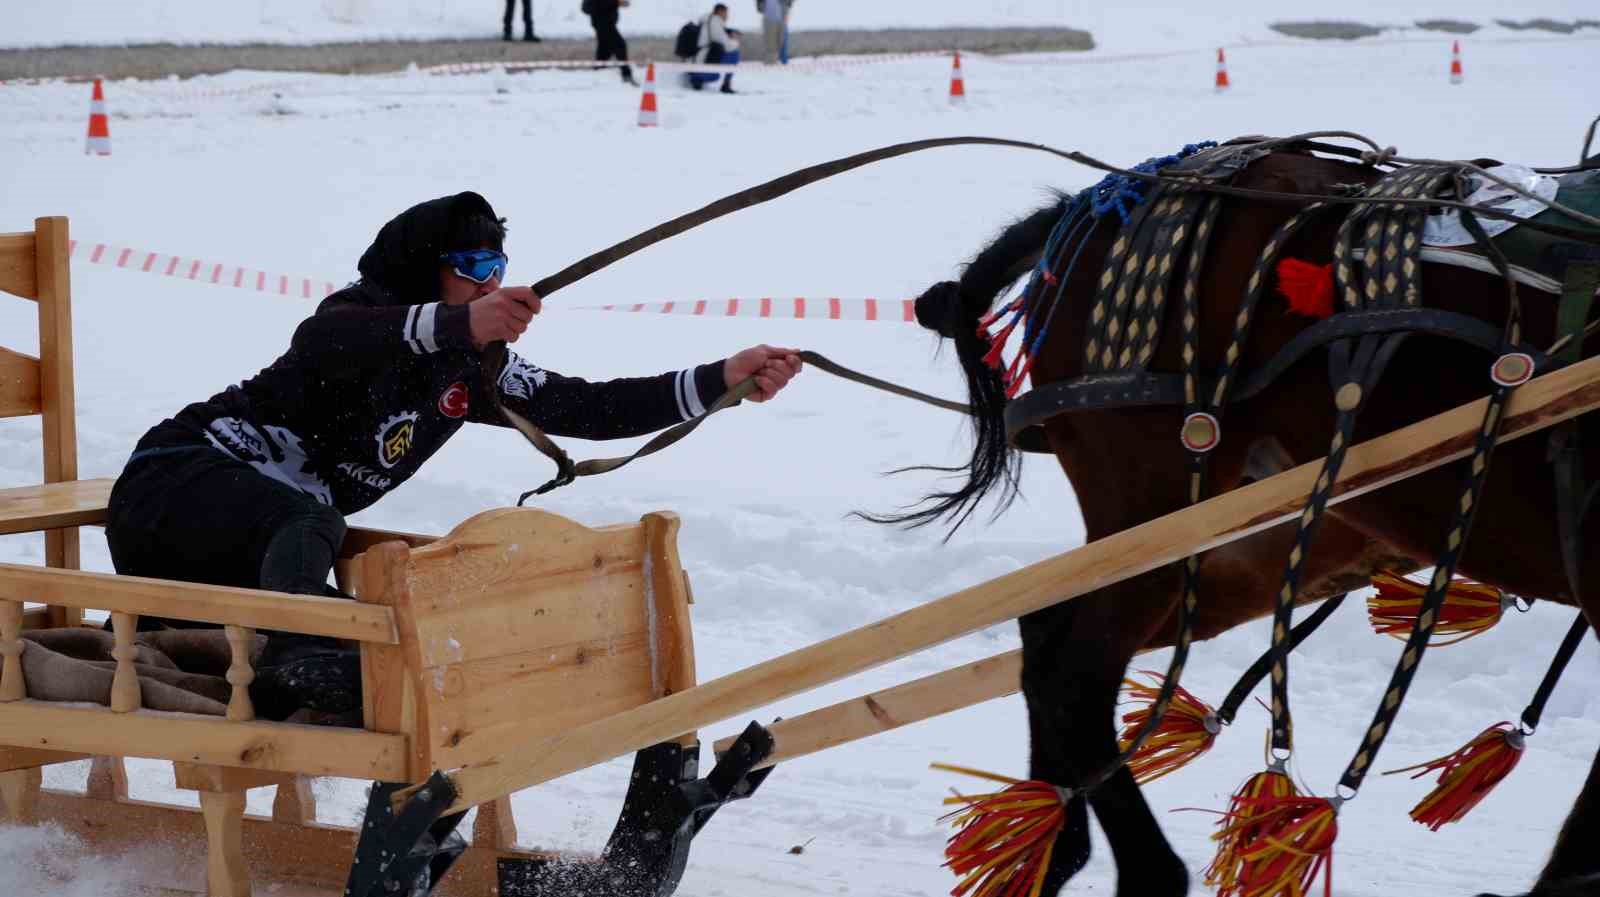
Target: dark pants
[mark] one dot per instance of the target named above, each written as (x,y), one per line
(527,16)
(194,514)
(716,54)
(609,43)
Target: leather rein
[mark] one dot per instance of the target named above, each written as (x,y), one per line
(1150,389)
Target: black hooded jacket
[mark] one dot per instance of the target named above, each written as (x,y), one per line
(376,381)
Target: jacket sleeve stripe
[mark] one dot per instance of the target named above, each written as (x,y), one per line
(408,331)
(691,394)
(682,384)
(425,327)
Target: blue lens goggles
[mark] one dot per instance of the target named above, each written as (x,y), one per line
(477,265)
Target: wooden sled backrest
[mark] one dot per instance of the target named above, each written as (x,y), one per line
(522,619)
(34,265)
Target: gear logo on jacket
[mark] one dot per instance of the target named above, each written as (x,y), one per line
(395,438)
(453,401)
(520,378)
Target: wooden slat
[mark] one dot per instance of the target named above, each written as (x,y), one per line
(29,509)
(19,384)
(27,758)
(281,747)
(254,608)
(388,672)
(18,275)
(475,707)
(60,422)
(534,757)
(171,841)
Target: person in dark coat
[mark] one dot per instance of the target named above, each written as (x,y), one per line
(527,20)
(250,487)
(603,15)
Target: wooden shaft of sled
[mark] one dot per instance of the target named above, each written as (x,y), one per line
(884,711)
(537,757)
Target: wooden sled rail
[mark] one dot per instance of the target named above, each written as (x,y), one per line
(527,760)
(221,605)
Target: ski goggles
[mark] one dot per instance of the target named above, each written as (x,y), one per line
(477,265)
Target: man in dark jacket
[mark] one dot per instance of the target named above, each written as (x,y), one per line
(603,15)
(250,487)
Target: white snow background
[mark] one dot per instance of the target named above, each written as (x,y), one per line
(301,182)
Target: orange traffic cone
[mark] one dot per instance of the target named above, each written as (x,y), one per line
(1455,62)
(647,103)
(1222,71)
(958,87)
(99,141)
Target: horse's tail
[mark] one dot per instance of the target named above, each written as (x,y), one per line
(952,309)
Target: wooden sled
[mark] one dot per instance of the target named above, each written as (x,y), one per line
(516,620)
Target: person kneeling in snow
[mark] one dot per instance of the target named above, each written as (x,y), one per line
(250,488)
(719,45)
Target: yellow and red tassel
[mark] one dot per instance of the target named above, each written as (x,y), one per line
(1273,842)
(1188,729)
(1469,608)
(1467,775)
(1005,838)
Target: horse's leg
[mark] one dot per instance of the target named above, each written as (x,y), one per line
(1074,658)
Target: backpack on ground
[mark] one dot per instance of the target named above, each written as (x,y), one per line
(688,43)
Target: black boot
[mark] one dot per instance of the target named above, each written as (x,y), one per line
(532,38)
(627,76)
(508,33)
(727,85)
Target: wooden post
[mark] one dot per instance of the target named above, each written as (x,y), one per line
(495,827)
(19,791)
(125,695)
(108,779)
(12,686)
(530,759)
(240,673)
(54,277)
(227,874)
(294,803)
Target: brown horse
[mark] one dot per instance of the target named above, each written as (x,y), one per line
(1127,466)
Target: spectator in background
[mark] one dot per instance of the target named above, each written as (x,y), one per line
(609,44)
(719,45)
(527,20)
(775,27)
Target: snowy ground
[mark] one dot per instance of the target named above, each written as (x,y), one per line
(44,23)
(300,184)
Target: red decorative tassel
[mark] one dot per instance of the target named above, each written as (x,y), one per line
(1187,729)
(1308,287)
(1469,608)
(1006,838)
(1273,842)
(1468,775)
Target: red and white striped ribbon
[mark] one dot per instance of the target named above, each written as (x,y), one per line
(831,308)
(187,268)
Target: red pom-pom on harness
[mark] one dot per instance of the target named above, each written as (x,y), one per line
(1006,838)
(1308,287)
(1273,841)
(1187,730)
(1469,608)
(1467,775)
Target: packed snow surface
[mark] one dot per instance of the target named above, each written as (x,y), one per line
(299,178)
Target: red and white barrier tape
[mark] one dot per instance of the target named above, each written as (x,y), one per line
(833,308)
(195,269)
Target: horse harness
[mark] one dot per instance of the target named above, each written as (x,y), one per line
(1377,285)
